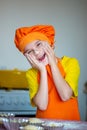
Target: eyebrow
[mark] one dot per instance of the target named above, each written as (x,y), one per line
(35,43)
(25,52)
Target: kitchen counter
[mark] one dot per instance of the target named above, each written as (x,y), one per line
(13,123)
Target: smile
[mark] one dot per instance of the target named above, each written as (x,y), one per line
(42,58)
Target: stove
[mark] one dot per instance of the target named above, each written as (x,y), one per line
(16,102)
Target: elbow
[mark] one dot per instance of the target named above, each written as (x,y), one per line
(42,107)
(65,98)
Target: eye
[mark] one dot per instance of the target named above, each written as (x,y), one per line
(30,51)
(39,43)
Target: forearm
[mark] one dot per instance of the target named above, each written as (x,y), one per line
(41,98)
(62,86)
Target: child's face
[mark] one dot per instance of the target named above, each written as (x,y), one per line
(36,49)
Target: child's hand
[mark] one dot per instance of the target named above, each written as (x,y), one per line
(50,53)
(34,63)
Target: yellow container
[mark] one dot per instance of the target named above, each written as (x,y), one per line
(13,79)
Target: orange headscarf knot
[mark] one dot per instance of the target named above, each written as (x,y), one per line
(25,35)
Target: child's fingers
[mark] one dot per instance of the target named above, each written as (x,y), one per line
(48,50)
(29,58)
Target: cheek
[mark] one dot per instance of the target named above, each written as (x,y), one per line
(33,56)
(42,50)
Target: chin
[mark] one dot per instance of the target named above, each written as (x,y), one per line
(45,63)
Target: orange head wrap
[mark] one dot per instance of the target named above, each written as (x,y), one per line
(25,35)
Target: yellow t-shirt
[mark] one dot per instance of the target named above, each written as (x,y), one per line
(71,68)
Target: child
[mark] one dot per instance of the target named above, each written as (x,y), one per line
(53,81)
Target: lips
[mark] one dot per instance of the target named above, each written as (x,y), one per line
(42,58)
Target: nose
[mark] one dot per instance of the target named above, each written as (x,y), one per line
(36,52)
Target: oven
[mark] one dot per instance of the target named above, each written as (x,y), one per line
(16,102)
(14,94)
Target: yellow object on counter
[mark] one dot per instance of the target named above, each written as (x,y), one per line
(13,79)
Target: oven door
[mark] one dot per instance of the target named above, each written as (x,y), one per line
(16,102)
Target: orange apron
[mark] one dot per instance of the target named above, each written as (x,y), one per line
(58,109)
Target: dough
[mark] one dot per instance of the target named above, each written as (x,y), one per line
(32,127)
(35,120)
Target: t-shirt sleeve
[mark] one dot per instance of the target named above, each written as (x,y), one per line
(31,76)
(72,70)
